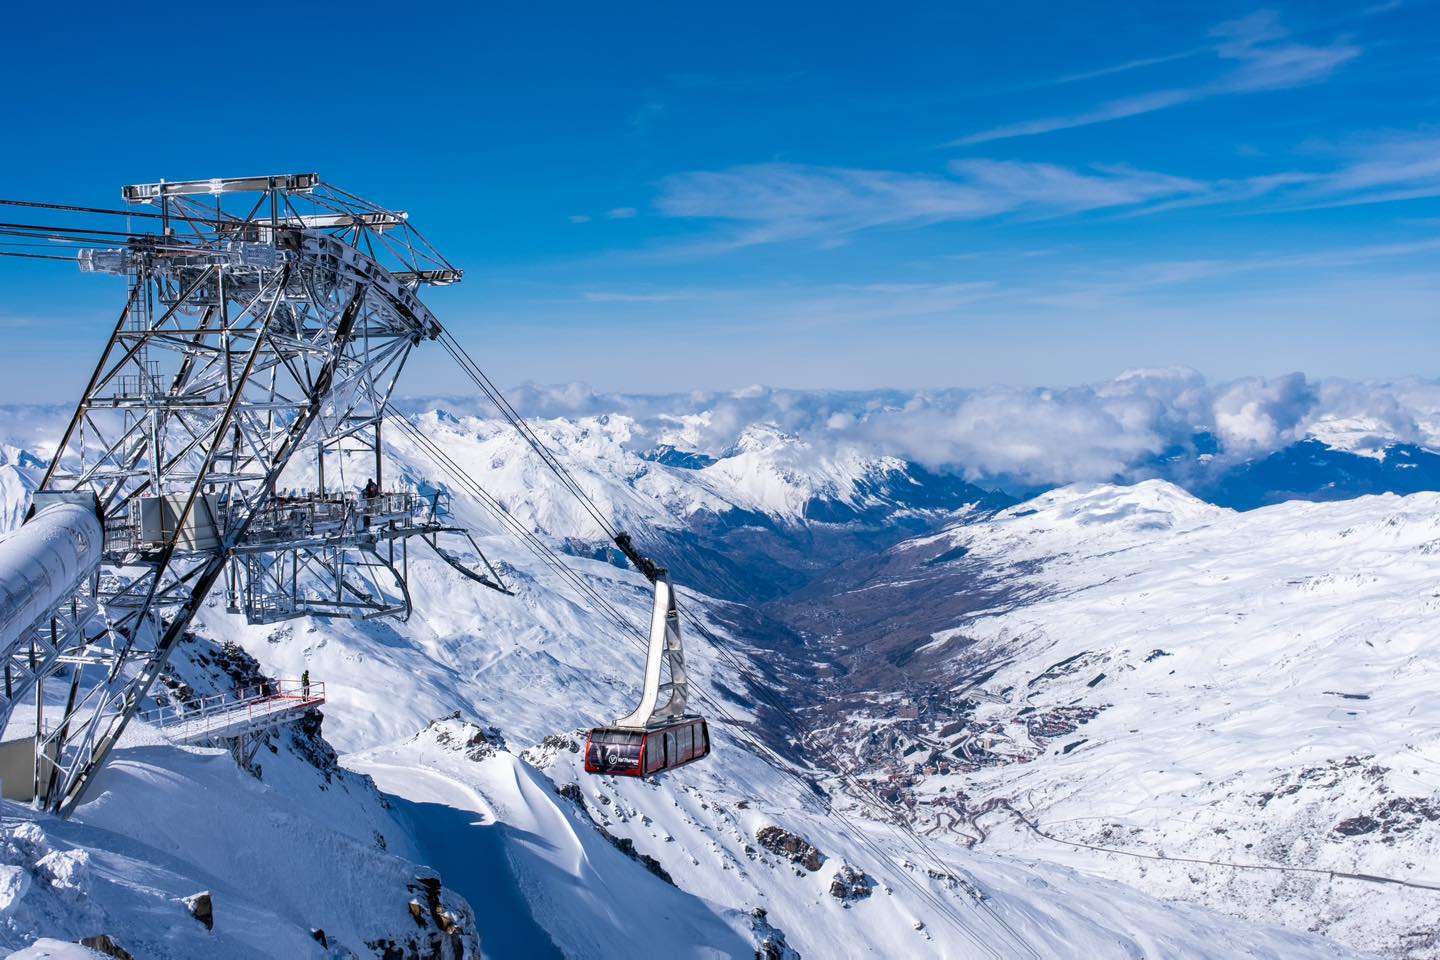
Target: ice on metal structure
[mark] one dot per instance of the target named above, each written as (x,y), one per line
(267,323)
(48,568)
(43,563)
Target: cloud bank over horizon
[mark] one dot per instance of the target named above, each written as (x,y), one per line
(1117,429)
(1140,424)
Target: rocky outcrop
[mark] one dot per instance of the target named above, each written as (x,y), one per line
(441,931)
(850,884)
(104,944)
(202,908)
(791,846)
(1393,818)
(476,742)
(627,846)
(573,793)
(770,940)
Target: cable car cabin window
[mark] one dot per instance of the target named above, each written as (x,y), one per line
(687,742)
(654,753)
(614,751)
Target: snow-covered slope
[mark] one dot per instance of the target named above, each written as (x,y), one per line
(305,860)
(516,830)
(1187,681)
(20,474)
(725,893)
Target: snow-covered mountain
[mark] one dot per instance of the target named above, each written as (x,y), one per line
(1170,424)
(857,588)
(1142,671)
(1313,469)
(763,517)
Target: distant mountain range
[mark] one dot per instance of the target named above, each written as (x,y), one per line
(1311,470)
(441,805)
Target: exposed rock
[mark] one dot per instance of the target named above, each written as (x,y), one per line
(850,884)
(438,913)
(542,755)
(1356,826)
(558,741)
(1395,817)
(386,949)
(441,934)
(791,846)
(476,742)
(201,908)
(105,944)
(627,846)
(770,941)
(320,937)
(309,742)
(573,793)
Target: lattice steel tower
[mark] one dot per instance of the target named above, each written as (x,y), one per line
(266,324)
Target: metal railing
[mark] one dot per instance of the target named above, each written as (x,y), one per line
(297,517)
(247,708)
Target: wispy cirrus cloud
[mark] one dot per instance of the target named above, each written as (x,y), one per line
(632,296)
(1379,170)
(1126,67)
(1259,56)
(777,201)
(1404,168)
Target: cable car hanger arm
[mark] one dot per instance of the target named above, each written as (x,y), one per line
(641,562)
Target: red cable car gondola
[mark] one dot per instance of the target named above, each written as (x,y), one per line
(631,752)
(653,738)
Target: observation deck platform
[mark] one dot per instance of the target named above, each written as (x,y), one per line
(228,715)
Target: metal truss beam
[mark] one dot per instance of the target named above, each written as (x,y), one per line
(273,314)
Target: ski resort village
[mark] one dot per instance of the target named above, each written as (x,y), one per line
(410,574)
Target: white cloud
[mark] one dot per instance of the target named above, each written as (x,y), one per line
(1260,57)
(779,201)
(775,202)
(1112,110)
(1053,189)
(1378,171)
(620,213)
(1265,61)
(1018,437)
(1381,169)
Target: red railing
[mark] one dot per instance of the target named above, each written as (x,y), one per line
(245,707)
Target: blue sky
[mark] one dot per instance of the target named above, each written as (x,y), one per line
(654,198)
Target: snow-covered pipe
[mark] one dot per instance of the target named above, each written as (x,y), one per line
(43,562)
